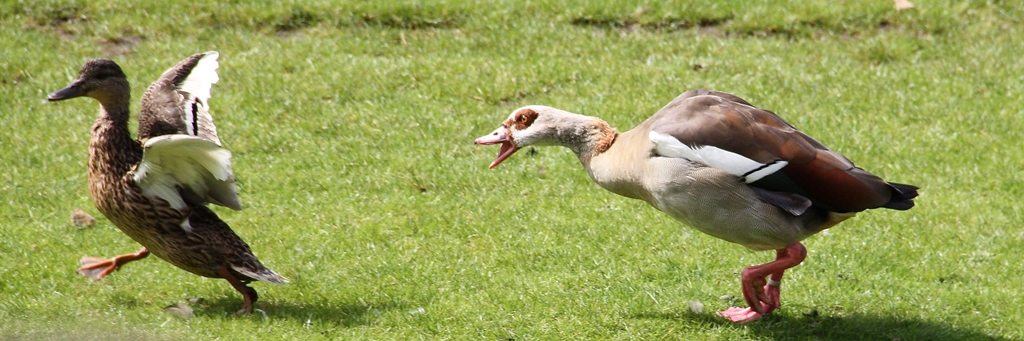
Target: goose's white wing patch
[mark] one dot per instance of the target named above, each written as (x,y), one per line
(175,163)
(749,170)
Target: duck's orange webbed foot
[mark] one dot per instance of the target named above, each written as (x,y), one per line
(97,268)
(249,295)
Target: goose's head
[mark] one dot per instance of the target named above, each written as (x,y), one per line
(539,125)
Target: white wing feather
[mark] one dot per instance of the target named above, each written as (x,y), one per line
(173,162)
(749,170)
(202,77)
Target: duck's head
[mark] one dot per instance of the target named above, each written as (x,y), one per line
(535,125)
(101,79)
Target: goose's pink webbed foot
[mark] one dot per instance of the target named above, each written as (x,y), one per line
(762,295)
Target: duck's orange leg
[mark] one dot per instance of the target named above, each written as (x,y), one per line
(248,294)
(97,268)
(763,296)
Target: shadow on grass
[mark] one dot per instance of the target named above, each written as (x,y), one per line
(852,327)
(319,313)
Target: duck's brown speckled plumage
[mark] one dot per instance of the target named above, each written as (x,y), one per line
(210,248)
(153,223)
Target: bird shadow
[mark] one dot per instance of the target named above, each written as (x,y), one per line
(847,327)
(321,313)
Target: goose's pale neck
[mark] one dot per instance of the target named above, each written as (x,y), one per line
(587,137)
(619,166)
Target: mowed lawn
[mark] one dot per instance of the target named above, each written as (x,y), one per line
(352,127)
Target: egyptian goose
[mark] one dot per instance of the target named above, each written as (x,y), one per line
(717,163)
(155,189)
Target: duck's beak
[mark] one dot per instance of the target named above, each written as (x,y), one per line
(71,91)
(501,135)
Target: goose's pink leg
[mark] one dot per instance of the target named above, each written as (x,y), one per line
(762,295)
(97,268)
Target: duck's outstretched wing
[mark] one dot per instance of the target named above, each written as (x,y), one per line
(178,102)
(183,161)
(186,171)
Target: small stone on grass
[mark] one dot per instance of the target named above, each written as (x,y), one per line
(181,309)
(81,219)
(695,306)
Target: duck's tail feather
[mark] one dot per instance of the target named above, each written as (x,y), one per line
(262,274)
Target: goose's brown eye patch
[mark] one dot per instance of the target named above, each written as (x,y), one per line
(524,118)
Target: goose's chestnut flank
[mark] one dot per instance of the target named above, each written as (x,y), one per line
(155,188)
(722,166)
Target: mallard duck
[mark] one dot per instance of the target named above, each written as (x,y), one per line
(156,188)
(717,163)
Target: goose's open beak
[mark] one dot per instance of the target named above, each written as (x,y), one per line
(501,135)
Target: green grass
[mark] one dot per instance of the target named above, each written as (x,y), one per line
(352,126)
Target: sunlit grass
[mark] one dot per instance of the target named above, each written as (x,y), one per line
(352,126)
